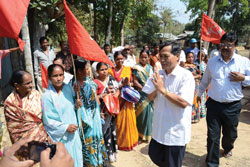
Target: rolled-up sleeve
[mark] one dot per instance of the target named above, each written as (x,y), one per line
(206,79)
(246,82)
(36,66)
(4,53)
(187,88)
(149,87)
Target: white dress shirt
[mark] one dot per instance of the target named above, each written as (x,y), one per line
(46,60)
(217,75)
(171,123)
(129,61)
(182,57)
(67,77)
(214,52)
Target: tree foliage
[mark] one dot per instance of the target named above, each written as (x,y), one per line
(231,15)
(135,19)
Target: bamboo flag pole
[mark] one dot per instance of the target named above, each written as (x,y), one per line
(200,50)
(78,97)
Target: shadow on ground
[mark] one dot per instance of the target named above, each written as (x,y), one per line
(245,117)
(192,160)
(144,150)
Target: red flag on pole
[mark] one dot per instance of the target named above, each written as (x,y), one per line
(80,42)
(210,30)
(12,13)
(44,76)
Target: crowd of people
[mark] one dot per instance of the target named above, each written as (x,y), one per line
(77,108)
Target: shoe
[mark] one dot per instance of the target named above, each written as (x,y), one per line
(227,155)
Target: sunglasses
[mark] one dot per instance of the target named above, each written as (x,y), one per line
(226,45)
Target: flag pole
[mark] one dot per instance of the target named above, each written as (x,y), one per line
(200,50)
(78,97)
(201,38)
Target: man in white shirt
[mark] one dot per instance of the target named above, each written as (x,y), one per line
(45,56)
(129,61)
(215,52)
(182,58)
(172,90)
(226,74)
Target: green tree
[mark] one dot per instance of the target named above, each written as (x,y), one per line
(167,20)
(231,15)
(148,34)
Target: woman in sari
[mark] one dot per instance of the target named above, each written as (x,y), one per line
(189,65)
(59,116)
(106,84)
(127,134)
(89,118)
(143,108)
(23,111)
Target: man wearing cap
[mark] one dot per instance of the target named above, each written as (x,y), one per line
(193,48)
(129,61)
(172,90)
(226,74)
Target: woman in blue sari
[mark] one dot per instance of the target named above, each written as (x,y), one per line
(59,117)
(93,148)
(144,108)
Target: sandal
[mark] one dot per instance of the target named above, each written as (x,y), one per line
(227,155)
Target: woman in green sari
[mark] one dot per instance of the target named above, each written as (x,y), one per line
(144,108)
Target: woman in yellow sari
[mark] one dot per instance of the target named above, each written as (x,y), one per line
(127,134)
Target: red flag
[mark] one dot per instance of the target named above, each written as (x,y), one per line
(80,42)
(12,13)
(112,104)
(210,31)
(44,74)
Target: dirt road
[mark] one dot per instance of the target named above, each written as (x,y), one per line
(196,150)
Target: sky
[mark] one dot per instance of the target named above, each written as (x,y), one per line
(178,8)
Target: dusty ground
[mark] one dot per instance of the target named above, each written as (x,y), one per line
(196,150)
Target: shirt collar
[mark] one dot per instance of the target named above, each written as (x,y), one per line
(174,72)
(221,59)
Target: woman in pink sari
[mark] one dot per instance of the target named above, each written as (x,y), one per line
(23,111)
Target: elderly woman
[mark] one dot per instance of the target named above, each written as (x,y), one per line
(23,111)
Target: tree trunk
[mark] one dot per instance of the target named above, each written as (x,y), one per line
(211,14)
(27,50)
(108,32)
(122,31)
(37,30)
(211,8)
(95,20)
(90,19)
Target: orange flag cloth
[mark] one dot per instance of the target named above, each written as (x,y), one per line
(80,42)
(210,31)
(12,13)
(44,77)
